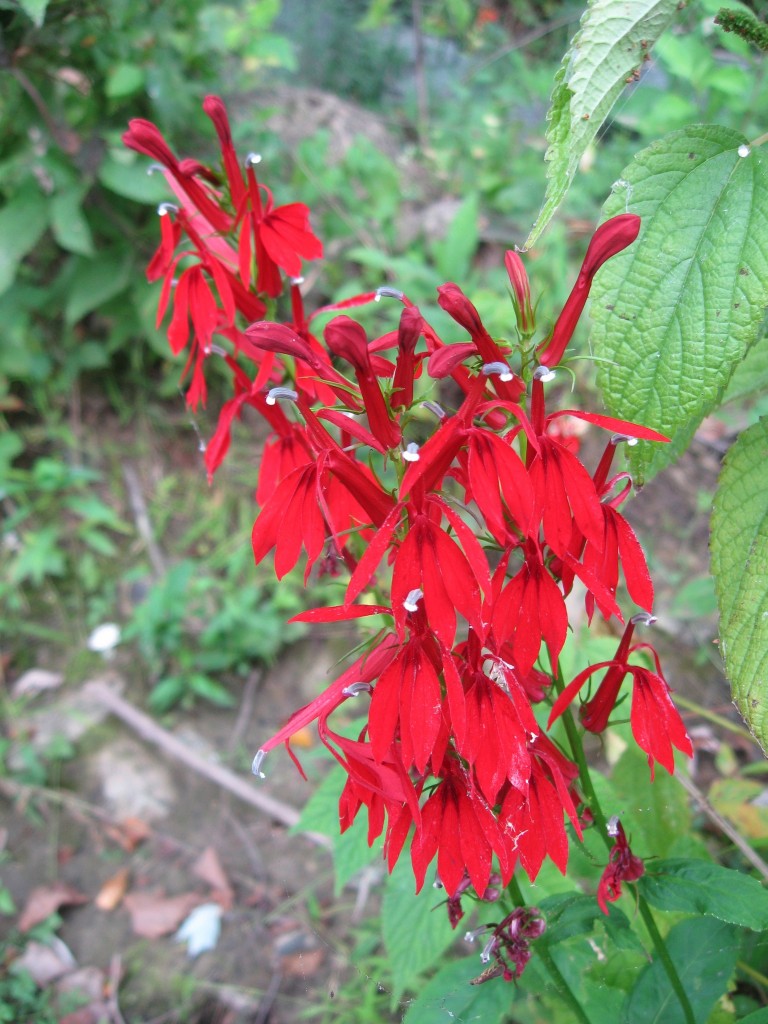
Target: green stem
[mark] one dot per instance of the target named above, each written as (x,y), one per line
(666,959)
(542,951)
(577,750)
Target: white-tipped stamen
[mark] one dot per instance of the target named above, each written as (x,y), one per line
(499,369)
(281,394)
(252,159)
(643,619)
(155,168)
(257,763)
(488,948)
(624,439)
(411,603)
(165,208)
(612,828)
(297,280)
(411,453)
(435,409)
(387,292)
(471,936)
(544,374)
(354,689)
(743,151)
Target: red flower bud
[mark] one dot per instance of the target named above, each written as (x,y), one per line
(610,238)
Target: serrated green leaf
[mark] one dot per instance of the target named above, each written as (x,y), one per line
(750,378)
(450,996)
(704,953)
(701,887)
(676,311)
(22,223)
(612,42)
(416,934)
(95,281)
(68,223)
(740,566)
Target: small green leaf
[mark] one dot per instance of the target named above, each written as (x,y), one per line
(416,930)
(705,954)
(69,226)
(740,567)
(701,887)
(454,254)
(210,690)
(167,693)
(124,80)
(22,223)
(95,281)
(612,43)
(129,177)
(676,311)
(34,9)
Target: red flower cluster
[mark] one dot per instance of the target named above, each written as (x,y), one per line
(473,531)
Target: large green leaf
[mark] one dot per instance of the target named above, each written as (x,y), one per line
(676,311)
(701,887)
(606,53)
(704,953)
(416,931)
(450,996)
(740,567)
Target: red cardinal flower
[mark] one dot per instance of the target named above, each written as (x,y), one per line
(656,722)
(147,138)
(281,236)
(623,866)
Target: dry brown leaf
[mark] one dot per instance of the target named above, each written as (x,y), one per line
(46,900)
(130,833)
(302,964)
(153,914)
(112,892)
(46,962)
(209,868)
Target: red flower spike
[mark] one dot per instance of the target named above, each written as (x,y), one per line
(623,866)
(610,238)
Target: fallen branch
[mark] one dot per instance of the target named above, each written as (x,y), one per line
(723,824)
(151,732)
